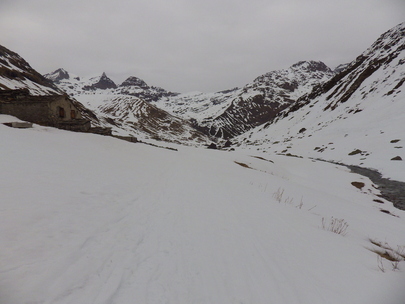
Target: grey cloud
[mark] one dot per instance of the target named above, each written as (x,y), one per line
(184,45)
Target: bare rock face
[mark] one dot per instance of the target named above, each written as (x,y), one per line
(103,84)
(136,87)
(134,81)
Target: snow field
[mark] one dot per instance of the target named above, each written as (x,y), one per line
(92,219)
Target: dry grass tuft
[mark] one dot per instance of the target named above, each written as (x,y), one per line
(385,251)
(338,226)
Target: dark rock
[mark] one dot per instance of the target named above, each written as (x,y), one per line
(357,151)
(228,144)
(358,185)
(103,84)
(134,81)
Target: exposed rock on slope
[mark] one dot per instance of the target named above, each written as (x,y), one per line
(16,73)
(137,87)
(129,115)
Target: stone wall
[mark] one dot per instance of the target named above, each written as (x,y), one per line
(52,110)
(33,112)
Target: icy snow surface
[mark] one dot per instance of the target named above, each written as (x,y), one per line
(92,219)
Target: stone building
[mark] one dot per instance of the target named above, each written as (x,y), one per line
(50,110)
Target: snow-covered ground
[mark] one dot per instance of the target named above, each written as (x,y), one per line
(92,219)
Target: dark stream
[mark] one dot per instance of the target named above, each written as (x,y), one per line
(391,190)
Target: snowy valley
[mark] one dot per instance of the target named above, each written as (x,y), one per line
(274,217)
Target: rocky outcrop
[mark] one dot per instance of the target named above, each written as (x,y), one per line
(136,87)
(103,83)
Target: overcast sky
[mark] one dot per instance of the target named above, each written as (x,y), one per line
(191,45)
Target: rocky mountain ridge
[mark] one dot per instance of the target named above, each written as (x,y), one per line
(133,86)
(222,114)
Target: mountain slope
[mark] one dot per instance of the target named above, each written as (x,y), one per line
(16,73)
(357,117)
(232,112)
(122,108)
(133,116)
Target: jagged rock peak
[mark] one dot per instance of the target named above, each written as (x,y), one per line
(105,83)
(312,66)
(134,81)
(57,75)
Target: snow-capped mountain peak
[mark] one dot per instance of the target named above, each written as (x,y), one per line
(311,66)
(103,83)
(301,76)
(57,75)
(134,81)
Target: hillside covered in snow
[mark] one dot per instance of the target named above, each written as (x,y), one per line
(93,219)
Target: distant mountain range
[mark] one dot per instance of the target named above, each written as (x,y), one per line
(263,113)
(223,114)
(127,108)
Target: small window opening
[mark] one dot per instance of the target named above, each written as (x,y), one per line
(61,112)
(72,114)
